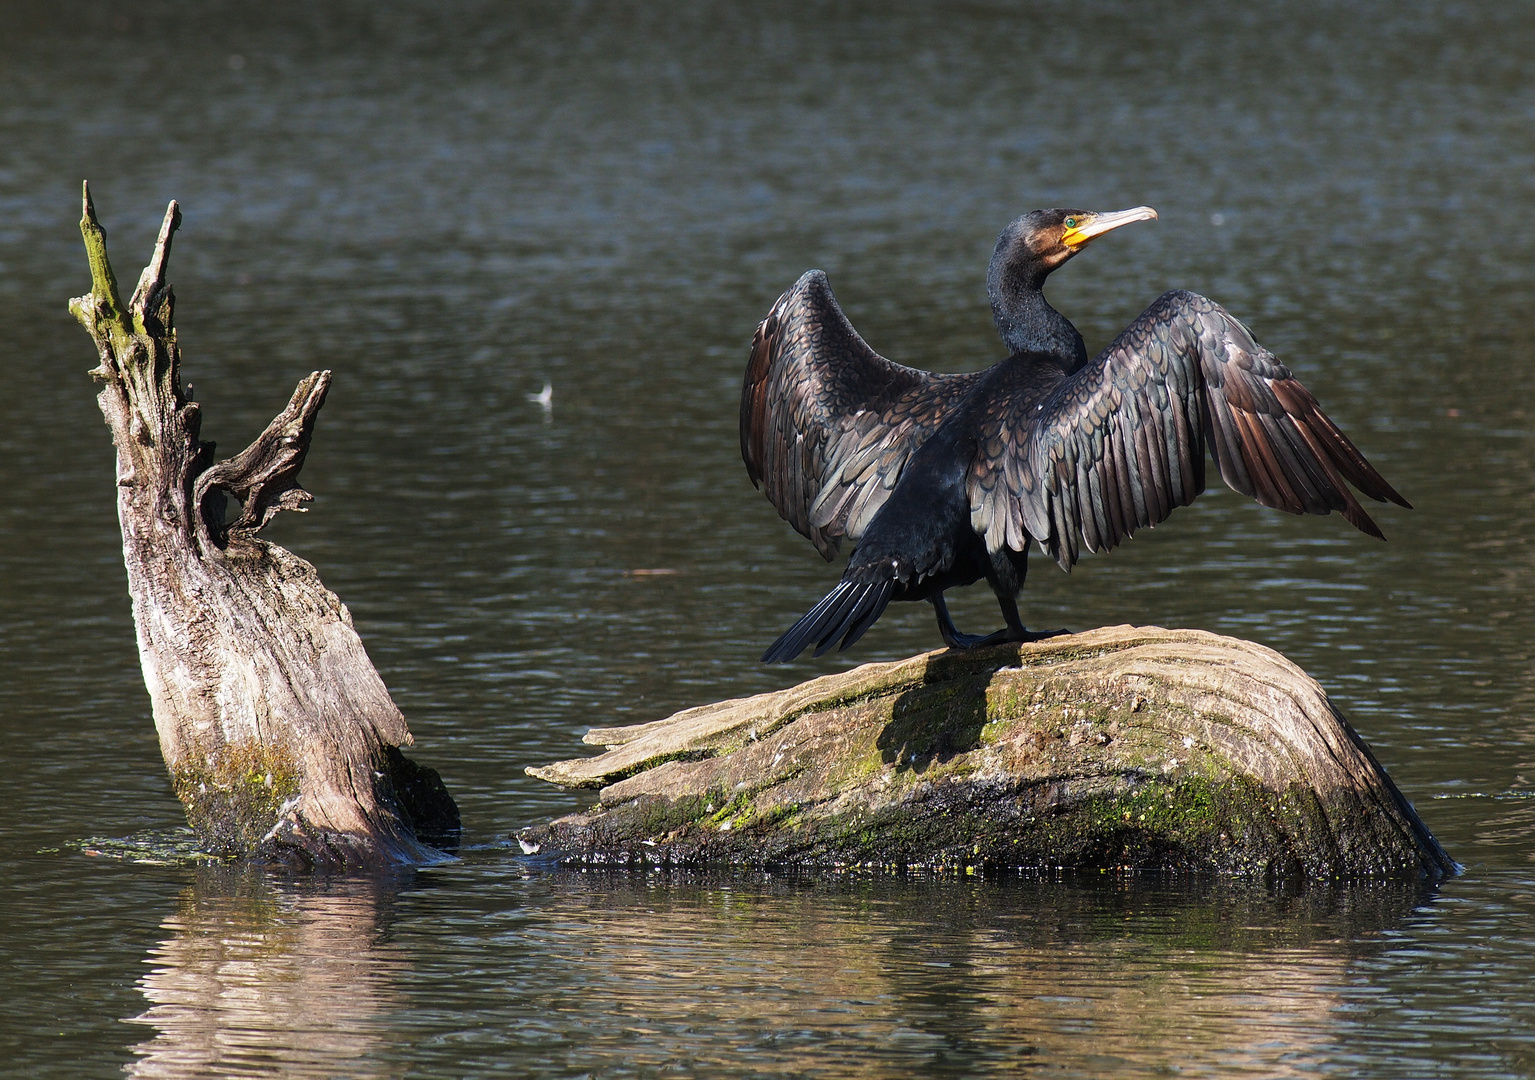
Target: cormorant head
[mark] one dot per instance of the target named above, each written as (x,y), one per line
(1027,251)
(1042,240)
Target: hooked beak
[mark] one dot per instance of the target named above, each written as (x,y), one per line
(1098,224)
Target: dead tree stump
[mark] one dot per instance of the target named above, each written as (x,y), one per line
(280,737)
(1125,747)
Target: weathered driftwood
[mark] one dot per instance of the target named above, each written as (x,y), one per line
(1122,747)
(279,735)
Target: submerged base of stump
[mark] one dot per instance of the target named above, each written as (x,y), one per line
(1122,747)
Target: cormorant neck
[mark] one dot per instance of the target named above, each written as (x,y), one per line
(1028,323)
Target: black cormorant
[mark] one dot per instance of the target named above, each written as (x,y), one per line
(940,480)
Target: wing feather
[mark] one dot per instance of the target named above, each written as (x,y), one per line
(827,424)
(1120,443)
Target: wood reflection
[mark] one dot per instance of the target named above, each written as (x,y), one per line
(254,980)
(570,973)
(956,981)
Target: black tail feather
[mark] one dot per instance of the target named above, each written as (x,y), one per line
(846,613)
(841,617)
(872,607)
(802,633)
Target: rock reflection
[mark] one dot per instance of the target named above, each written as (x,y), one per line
(968,981)
(260,979)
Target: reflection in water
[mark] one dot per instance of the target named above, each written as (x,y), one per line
(255,979)
(850,977)
(947,979)
(617,974)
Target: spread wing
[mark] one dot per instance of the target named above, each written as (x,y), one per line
(1121,442)
(827,423)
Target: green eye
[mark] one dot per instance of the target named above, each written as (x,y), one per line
(1071,223)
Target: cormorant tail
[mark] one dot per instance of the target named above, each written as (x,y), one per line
(844,613)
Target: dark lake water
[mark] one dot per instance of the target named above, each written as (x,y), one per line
(448,205)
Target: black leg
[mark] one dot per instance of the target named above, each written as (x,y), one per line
(1011,617)
(951,635)
(1014,632)
(955,640)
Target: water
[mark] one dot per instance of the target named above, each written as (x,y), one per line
(450,204)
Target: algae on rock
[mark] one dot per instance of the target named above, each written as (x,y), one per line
(1121,747)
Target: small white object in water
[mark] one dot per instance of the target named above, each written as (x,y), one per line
(529,849)
(544,399)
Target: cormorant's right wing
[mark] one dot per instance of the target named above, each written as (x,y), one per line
(827,424)
(1121,442)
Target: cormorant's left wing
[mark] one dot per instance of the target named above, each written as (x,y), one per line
(1121,442)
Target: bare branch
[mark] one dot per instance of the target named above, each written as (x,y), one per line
(146,300)
(264,476)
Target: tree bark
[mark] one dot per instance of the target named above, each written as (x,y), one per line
(1122,747)
(280,737)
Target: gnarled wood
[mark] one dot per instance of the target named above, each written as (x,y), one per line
(1125,746)
(280,737)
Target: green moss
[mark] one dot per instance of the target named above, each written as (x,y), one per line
(733,813)
(936,721)
(1191,823)
(1190,820)
(104,303)
(858,769)
(786,816)
(234,799)
(658,760)
(709,814)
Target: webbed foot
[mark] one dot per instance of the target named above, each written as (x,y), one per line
(974,641)
(978,641)
(1014,631)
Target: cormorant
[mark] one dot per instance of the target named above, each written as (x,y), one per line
(940,480)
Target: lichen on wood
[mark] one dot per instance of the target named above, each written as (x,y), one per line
(280,738)
(1122,747)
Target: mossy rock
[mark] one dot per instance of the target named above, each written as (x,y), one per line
(1123,747)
